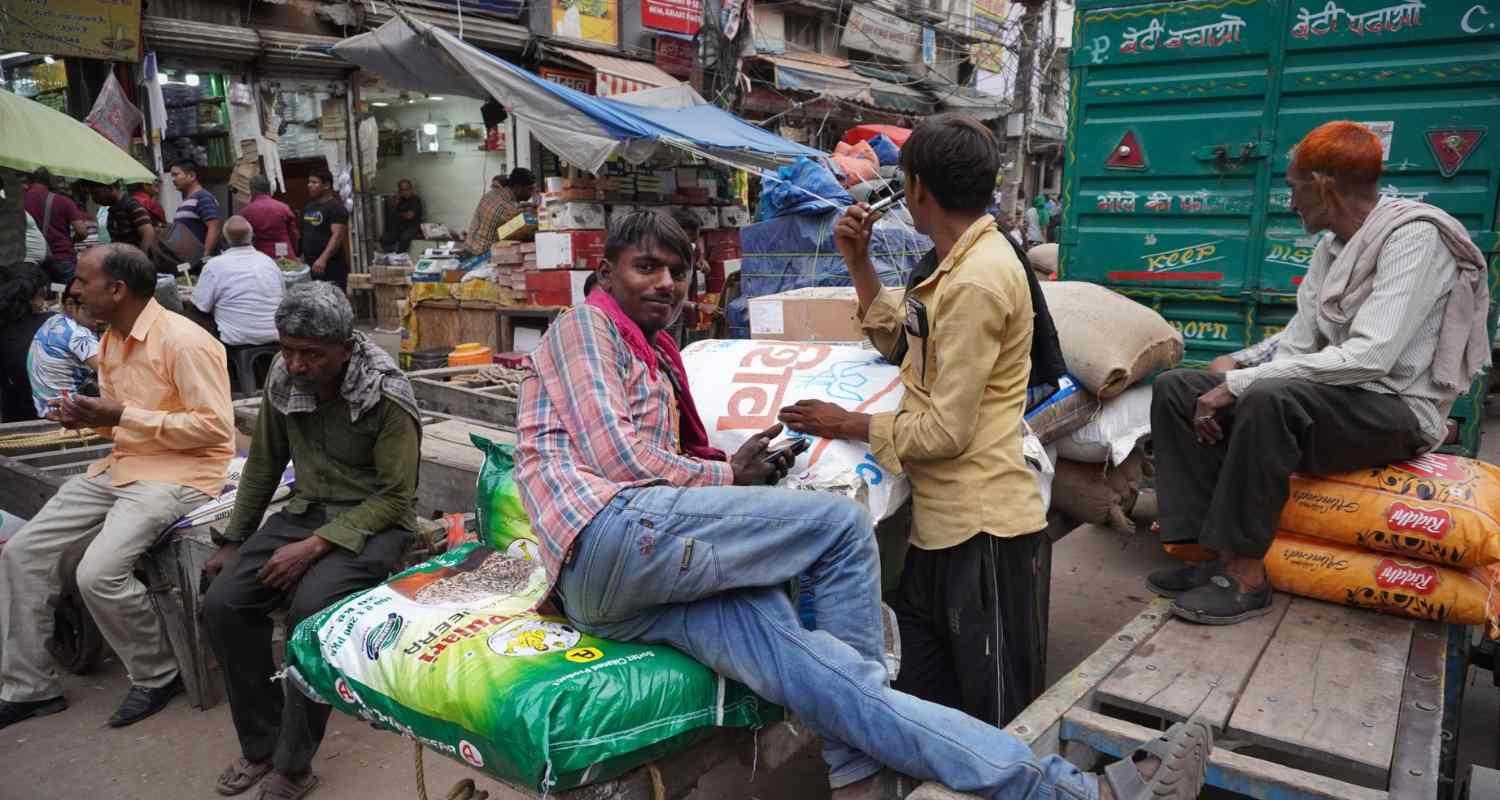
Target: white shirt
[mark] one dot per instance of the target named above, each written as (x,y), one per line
(241,288)
(36,243)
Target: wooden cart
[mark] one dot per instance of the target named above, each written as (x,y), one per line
(1313,700)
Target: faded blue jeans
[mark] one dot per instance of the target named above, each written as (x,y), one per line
(705,570)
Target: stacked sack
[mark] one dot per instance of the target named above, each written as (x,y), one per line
(1102,409)
(1419,538)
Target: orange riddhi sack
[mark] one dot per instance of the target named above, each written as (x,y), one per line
(1363,579)
(1439,508)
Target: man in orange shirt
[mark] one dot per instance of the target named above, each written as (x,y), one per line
(165,402)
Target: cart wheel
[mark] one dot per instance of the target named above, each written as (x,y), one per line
(76,643)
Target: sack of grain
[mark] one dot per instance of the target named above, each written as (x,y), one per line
(447,653)
(1064,411)
(1043,258)
(503,522)
(1353,577)
(1109,341)
(1097,493)
(1439,508)
(1113,432)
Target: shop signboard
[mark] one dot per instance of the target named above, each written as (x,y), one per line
(874,31)
(103,29)
(676,56)
(987,52)
(593,21)
(509,9)
(929,46)
(672,16)
(573,79)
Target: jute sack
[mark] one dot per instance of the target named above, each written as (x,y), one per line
(1097,493)
(1109,341)
(1380,581)
(1439,508)
(1043,258)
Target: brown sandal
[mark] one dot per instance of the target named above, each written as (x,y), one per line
(241,775)
(280,787)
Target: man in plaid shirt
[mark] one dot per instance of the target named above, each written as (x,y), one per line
(648,534)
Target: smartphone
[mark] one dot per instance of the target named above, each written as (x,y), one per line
(884,203)
(793,448)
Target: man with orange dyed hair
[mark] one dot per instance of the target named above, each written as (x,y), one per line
(1389,329)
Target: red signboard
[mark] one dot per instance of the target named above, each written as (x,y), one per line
(582,81)
(673,16)
(675,56)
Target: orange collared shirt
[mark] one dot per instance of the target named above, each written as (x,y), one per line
(178,423)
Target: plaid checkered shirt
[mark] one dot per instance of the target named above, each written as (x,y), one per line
(592,421)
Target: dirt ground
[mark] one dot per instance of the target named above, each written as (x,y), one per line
(176,755)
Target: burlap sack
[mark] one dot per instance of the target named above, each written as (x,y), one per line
(1043,258)
(1098,494)
(1109,341)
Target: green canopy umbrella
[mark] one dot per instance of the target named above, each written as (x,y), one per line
(33,135)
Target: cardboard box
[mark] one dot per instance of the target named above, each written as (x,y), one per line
(569,249)
(722,244)
(521,226)
(813,314)
(575,216)
(558,287)
(708,216)
(734,217)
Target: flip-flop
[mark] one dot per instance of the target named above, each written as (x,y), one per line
(240,776)
(1183,751)
(280,787)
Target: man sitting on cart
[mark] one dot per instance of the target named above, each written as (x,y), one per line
(1389,329)
(343,414)
(649,534)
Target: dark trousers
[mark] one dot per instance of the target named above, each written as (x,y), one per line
(1228,496)
(397,240)
(973,621)
(272,718)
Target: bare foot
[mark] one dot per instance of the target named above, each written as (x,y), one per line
(1146,766)
(1250,572)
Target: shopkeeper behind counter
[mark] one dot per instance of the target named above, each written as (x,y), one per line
(497,207)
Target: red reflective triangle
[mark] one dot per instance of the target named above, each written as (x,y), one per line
(1451,147)
(1127,154)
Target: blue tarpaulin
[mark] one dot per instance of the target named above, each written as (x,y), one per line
(793,252)
(583,129)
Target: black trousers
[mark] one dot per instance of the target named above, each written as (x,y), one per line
(973,622)
(273,719)
(1228,496)
(397,240)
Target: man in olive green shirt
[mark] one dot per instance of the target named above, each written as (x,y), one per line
(972,601)
(340,410)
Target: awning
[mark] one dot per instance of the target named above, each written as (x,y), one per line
(280,51)
(969,101)
(616,76)
(33,135)
(479,29)
(583,129)
(893,90)
(812,72)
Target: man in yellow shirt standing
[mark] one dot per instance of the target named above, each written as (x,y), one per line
(165,402)
(972,599)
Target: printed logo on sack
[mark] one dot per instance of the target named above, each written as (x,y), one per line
(345,693)
(522,548)
(532,637)
(1393,574)
(383,636)
(584,655)
(468,752)
(1434,523)
(1433,465)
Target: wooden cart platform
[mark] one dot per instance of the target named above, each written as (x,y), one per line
(1313,700)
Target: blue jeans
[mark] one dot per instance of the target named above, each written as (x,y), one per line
(705,570)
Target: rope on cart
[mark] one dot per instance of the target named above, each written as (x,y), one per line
(23,441)
(462,790)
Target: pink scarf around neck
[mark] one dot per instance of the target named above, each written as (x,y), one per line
(694,435)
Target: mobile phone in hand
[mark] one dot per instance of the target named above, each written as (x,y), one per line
(886,202)
(792,449)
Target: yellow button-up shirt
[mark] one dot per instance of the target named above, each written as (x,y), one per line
(957,434)
(178,423)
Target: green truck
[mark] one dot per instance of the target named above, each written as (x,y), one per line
(1182,116)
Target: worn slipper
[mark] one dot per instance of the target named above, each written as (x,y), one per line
(280,787)
(1183,752)
(240,776)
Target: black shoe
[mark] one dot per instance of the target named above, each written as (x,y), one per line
(142,702)
(1173,582)
(12,712)
(1222,602)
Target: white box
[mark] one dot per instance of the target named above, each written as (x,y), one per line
(733,217)
(575,216)
(708,216)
